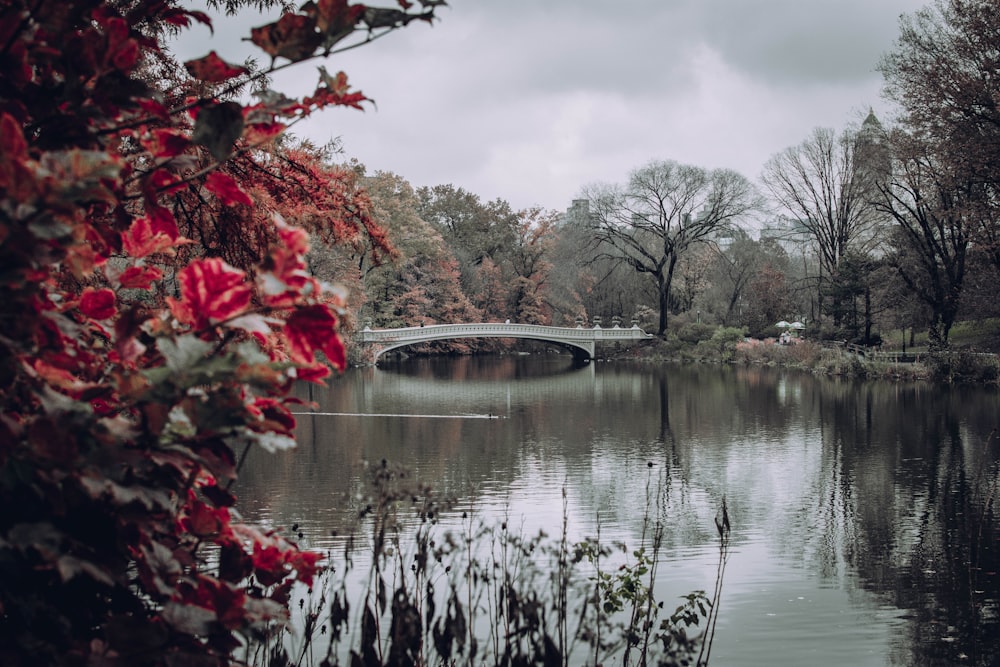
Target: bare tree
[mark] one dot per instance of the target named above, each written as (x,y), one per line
(933,232)
(735,268)
(665,209)
(827,184)
(944,73)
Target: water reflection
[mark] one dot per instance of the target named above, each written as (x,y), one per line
(864,525)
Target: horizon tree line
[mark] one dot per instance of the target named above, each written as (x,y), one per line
(860,231)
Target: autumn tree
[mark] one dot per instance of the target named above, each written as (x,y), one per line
(691,278)
(138,364)
(394,206)
(421,282)
(531,261)
(664,211)
(493,288)
(944,73)
(474,230)
(569,279)
(827,184)
(733,268)
(768,299)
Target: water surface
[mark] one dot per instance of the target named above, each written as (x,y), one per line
(863,527)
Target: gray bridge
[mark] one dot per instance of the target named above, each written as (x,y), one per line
(578,340)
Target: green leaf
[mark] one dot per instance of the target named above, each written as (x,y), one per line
(180,424)
(183,353)
(217,128)
(272,442)
(188,618)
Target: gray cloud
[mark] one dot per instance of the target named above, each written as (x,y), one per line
(529,100)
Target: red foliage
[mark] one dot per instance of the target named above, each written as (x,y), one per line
(213,69)
(98,304)
(122,406)
(211,292)
(313,329)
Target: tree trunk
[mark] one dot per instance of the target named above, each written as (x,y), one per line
(937,335)
(664,292)
(663,284)
(868,316)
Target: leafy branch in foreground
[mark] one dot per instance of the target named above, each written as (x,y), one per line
(155,309)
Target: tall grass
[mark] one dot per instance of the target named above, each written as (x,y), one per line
(407,591)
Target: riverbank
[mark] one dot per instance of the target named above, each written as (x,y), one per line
(729,346)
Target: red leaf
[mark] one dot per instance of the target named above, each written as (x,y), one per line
(166,142)
(98,304)
(306,564)
(225,188)
(293,36)
(140,240)
(225,600)
(13,145)
(273,416)
(291,278)
(261,133)
(293,239)
(161,182)
(205,521)
(314,374)
(16,178)
(213,69)
(334,90)
(311,329)
(211,291)
(182,17)
(139,277)
(126,55)
(155,108)
(269,564)
(162,221)
(121,50)
(335,17)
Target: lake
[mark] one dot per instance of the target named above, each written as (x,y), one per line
(864,530)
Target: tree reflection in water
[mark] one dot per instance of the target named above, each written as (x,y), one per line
(872,500)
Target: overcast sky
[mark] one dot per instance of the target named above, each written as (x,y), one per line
(531,100)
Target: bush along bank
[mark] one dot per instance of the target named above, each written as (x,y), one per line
(729,345)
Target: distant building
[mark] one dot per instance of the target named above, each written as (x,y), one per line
(577,213)
(789,233)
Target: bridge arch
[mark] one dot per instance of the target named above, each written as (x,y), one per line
(580,351)
(579,341)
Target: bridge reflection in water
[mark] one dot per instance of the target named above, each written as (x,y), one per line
(578,340)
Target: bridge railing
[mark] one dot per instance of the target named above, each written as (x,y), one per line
(498,329)
(873,354)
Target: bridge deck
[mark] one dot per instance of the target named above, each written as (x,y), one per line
(581,340)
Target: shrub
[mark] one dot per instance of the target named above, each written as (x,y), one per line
(962,366)
(805,353)
(756,351)
(723,344)
(693,333)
